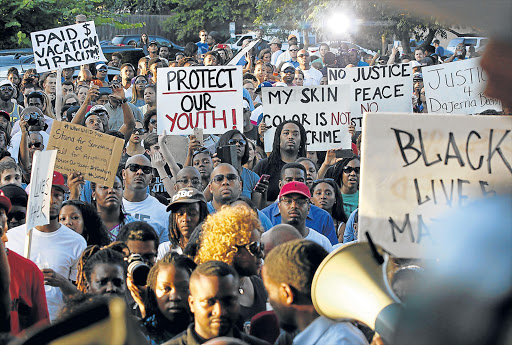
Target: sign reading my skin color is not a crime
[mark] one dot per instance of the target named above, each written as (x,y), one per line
(67,46)
(413,172)
(207,97)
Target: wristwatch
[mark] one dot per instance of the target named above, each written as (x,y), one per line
(124,100)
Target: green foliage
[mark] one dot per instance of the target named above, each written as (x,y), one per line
(190,16)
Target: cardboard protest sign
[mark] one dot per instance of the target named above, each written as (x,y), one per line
(324,111)
(236,59)
(67,46)
(39,197)
(457,88)
(376,89)
(415,171)
(209,97)
(94,154)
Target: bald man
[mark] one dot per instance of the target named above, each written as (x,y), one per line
(279,234)
(136,199)
(188,177)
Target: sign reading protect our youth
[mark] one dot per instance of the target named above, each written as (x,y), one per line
(324,111)
(39,198)
(384,88)
(457,88)
(413,172)
(210,98)
(94,154)
(67,46)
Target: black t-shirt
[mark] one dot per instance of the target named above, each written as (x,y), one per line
(263,167)
(252,134)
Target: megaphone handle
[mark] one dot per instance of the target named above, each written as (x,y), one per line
(387,320)
(375,252)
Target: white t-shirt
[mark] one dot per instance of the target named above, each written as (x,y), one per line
(151,211)
(317,237)
(312,76)
(59,250)
(14,149)
(166,247)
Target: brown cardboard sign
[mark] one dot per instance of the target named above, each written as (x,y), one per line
(94,154)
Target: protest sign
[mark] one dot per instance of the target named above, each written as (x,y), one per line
(457,88)
(236,59)
(204,97)
(376,89)
(94,154)
(67,46)
(413,172)
(38,207)
(324,111)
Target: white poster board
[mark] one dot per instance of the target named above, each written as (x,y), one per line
(376,89)
(210,98)
(67,46)
(241,53)
(457,88)
(324,111)
(39,197)
(413,172)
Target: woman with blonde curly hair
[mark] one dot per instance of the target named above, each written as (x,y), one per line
(232,235)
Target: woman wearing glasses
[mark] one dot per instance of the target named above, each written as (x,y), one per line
(346,174)
(232,235)
(150,121)
(249,178)
(139,83)
(134,146)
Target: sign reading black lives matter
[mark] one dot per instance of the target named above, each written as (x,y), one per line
(324,111)
(457,88)
(210,98)
(376,89)
(67,46)
(414,172)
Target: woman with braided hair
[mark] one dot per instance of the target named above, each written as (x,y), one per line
(346,174)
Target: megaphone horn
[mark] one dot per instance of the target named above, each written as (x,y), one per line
(351,284)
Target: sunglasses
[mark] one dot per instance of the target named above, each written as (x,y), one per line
(289,70)
(254,248)
(152,121)
(102,70)
(6,88)
(220,178)
(201,150)
(194,181)
(139,131)
(18,216)
(348,170)
(36,145)
(294,50)
(302,55)
(324,180)
(145,169)
(141,81)
(236,141)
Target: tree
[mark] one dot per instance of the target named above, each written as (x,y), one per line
(190,16)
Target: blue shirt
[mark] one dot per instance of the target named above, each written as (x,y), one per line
(349,235)
(247,95)
(249,179)
(440,51)
(294,63)
(265,222)
(318,219)
(362,63)
(202,47)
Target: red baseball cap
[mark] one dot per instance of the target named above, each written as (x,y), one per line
(5,202)
(58,181)
(295,187)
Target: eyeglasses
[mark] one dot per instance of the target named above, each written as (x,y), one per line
(6,88)
(294,50)
(102,70)
(139,131)
(303,55)
(236,141)
(18,216)
(36,145)
(348,170)
(299,202)
(254,248)
(220,178)
(194,181)
(141,81)
(152,121)
(135,167)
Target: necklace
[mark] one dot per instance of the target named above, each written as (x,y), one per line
(241,288)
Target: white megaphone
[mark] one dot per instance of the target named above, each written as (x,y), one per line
(351,284)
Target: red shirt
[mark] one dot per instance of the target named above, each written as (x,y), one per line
(28,298)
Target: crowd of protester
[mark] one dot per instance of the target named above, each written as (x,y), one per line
(200,228)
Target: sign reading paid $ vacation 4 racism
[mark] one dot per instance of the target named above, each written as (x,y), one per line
(385,88)
(324,111)
(67,46)
(414,172)
(457,88)
(210,98)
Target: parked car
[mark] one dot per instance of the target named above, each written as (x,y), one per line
(126,40)
(478,42)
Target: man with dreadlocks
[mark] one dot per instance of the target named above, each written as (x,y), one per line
(289,144)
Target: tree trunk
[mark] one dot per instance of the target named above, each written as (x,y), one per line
(306,38)
(405,40)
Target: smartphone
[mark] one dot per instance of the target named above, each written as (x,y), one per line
(264,177)
(227,154)
(345,153)
(105,90)
(198,133)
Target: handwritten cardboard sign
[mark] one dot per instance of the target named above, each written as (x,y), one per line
(39,198)
(324,111)
(210,98)
(415,171)
(457,88)
(377,89)
(67,46)
(96,155)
